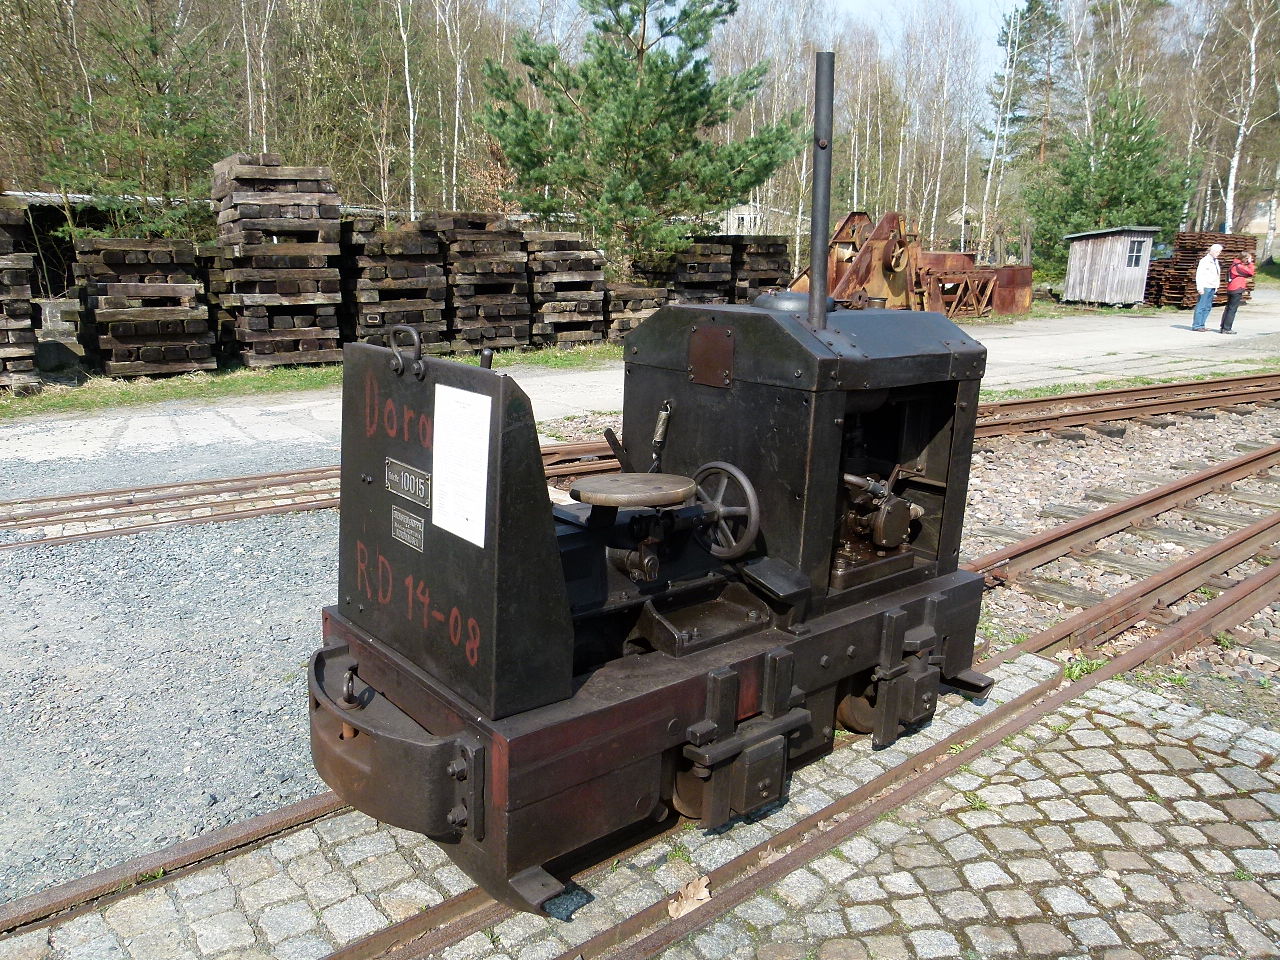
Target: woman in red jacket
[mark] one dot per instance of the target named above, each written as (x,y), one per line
(1238,275)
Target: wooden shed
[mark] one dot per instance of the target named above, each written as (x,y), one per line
(1108,266)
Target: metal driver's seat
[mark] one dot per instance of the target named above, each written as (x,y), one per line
(630,490)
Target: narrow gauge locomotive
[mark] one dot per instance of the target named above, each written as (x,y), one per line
(517,679)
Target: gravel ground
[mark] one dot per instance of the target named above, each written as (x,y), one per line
(1017,481)
(154,688)
(148,707)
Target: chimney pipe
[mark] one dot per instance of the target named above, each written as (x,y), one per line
(820,214)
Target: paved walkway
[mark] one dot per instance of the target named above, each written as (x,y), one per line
(1107,347)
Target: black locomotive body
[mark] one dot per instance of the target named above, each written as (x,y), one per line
(516,679)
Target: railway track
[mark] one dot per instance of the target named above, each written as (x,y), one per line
(70,518)
(650,929)
(1127,403)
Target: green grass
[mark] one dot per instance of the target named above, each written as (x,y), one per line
(1268,274)
(1048,310)
(975,802)
(1082,667)
(100,393)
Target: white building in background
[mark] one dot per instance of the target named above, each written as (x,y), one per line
(755,218)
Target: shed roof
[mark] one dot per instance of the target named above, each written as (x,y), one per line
(1106,230)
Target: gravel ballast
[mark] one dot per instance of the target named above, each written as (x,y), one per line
(154,688)
(155,685)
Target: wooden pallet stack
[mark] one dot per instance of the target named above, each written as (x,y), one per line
(759,263)
(396,275)
(143,311)
(486,266)
(566,277)
(279,231)
(629,306)
(17,319)
(1178,280)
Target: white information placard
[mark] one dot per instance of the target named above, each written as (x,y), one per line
(460,462)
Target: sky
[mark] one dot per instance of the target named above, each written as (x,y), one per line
(984,15)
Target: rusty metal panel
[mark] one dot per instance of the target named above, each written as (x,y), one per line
(711,355)
(1013,291)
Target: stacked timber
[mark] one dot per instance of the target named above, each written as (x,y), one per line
(566,279)
(17,319)
(1157,272)
(701,273)
(759,263)
(629,306)
(486,266)
(1178,280)
(142,308)
(395,276)
(279,231)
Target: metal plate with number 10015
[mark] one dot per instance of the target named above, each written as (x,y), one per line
(409,482)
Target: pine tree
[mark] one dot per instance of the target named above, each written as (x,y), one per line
(628,138)
(1124,174)
(147,138)
(1038,93)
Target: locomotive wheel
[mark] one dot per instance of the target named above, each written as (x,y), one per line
(686,797)
(856,713)
(735,512)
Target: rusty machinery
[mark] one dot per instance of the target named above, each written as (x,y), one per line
(518,679)
(884,265)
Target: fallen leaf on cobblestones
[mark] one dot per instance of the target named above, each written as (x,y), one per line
(691,896)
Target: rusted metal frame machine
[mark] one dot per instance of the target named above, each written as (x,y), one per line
(518,680)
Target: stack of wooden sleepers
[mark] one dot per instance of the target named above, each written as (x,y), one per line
(566,277)
(1178,273)
(278,228)
(142,309)
(485,263)
(1157,272)
(629,306)
(758,263)
(395,275)
(17,320)
(701,273)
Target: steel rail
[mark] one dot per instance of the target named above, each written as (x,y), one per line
(740,879)
(559,460)
(1144,598)
(322,503)
(159,493)
(160,505)
(1125,394)
(1050,419)
(1049,545)
(116,881)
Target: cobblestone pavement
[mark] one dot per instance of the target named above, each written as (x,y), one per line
(1126,826)
(325,885)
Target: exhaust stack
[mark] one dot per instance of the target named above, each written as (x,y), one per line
(820,214)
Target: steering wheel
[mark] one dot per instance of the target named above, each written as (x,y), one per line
(729,499)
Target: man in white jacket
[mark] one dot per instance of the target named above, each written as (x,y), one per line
(1208,275)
